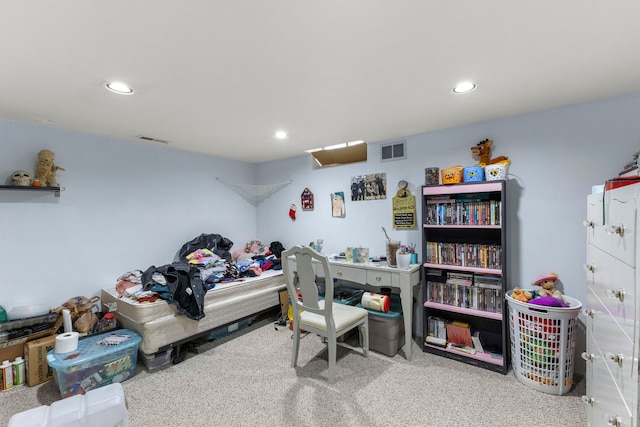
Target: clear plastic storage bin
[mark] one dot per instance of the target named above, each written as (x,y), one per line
(99,360)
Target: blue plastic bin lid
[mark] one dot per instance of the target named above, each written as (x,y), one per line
(94,347)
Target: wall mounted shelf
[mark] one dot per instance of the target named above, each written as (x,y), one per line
(55,190)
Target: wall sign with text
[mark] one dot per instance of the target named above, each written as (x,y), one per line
(404,209)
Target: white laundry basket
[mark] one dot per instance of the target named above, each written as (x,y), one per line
(543,344)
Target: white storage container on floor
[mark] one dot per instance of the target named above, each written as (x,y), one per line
(102,407)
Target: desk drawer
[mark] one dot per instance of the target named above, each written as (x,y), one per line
(383,278)
(343,272)
(352,274)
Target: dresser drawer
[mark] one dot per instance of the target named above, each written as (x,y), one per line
(603,397)
(603,325)
(614,346)
(614,230)
(614,284)
(383,278)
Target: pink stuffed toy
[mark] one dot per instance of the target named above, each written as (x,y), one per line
(547,284)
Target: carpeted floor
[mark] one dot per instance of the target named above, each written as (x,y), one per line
(246,380)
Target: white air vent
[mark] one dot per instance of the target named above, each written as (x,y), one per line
(393,151)
(149,139)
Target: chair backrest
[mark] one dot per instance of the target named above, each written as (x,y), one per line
(304,258)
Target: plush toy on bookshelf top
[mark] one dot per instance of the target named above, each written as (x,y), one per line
(482,150)
(494,168)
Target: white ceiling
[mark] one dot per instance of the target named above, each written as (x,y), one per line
(220,77)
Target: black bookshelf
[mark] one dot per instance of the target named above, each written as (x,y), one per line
(464,271)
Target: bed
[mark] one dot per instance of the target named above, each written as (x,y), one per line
(163,327)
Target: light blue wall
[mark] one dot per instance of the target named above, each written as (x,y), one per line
(127,206)
(130,205)
(556,156)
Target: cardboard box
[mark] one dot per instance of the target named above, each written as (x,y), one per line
(10,352)
(35,354)
(15,348)
(284,303)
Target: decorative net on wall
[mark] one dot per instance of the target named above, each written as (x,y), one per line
(255,193)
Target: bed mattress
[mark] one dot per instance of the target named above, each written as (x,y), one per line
(161,324)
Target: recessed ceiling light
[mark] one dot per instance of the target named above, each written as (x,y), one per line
(464,87)
(119,88)
(281,135)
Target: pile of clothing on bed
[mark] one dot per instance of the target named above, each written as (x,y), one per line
(199,266)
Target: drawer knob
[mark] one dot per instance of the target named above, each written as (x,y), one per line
(589,313)
(616,229)
(587,399)
(587,356)
(615,358)
(615,294)
(339,274)
(589,223)
(589,267)
(378,279)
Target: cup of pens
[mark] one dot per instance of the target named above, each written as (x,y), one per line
(403,258)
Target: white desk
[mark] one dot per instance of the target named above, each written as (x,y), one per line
(379,275)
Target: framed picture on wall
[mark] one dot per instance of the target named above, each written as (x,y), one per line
(337,205)
(306,200)
(369,187)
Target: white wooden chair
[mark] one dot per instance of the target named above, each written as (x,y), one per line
(315,315)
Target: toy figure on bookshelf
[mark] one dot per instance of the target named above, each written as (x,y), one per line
(482,150)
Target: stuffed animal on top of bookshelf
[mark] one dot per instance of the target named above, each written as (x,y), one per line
(482,150)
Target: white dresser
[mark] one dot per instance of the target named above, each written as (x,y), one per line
(611,308)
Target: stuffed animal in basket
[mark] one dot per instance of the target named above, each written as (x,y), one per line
(46,169)
(482,150)
(521,295)
(548,294)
